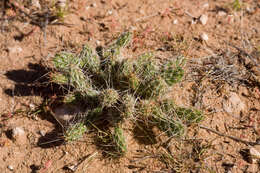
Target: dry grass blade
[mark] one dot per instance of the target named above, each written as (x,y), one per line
(228,136)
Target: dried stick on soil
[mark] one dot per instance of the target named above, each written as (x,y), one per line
(143,158)
(147,17)
(230,137)
(87,161)
(46,22)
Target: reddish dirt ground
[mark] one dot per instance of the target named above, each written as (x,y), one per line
(229,98)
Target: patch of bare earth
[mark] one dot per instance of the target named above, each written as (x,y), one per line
(222,79)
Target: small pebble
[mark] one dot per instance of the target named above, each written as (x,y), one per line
(254,152)
(249,10)
(15,49)
(42,133)
(19,136)
(35,117)
(206,5)
(203,19)
(10,167)
(193,22)
(222,13)
(17,131)
(98,42)
(73,168)
(32,106)
(110,12)
(61,3)
(141,11)
(25,24)
(230,18)
(175,21)
(204,37)
(93,5)
(133,28)
(234,104)
(36,3)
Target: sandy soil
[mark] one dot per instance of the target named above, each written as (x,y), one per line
(222,79)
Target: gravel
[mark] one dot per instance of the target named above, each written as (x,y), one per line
(19,135)
(203,19)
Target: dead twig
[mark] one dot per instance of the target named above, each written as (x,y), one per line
(86,161)
(230,137)
(147,17)
(143,158)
